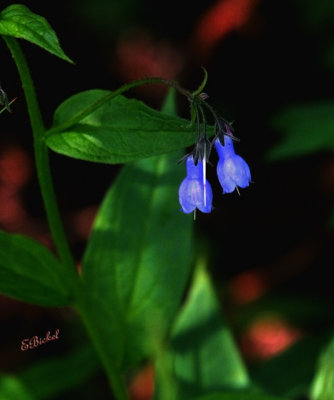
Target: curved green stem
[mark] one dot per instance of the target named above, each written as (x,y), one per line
(41,154)
(77,118)
(202,85)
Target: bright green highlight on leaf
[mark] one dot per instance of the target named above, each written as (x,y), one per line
(30,273)
(306,129)
(119,131)
(323,383)
(204,354)
(12,388)
(19,22)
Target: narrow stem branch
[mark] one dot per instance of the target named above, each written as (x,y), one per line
(41,153)
(77,118)
(198,124)
(213,112)
(203,119)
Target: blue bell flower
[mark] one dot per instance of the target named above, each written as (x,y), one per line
(195,191)
(232,170)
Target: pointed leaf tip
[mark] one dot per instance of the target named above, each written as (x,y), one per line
(19,22)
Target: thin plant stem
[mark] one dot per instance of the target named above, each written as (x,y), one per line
(210,108)
(41,154)
(47,190)
(203,119)
(198,124)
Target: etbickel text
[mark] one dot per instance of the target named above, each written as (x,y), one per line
(35,341)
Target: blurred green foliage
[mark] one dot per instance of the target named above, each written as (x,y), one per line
(30,272)
(12,388)
(305,129)
(54,376)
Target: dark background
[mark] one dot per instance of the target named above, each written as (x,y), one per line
(270,249)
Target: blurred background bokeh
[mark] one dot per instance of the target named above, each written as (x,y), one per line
(270,66)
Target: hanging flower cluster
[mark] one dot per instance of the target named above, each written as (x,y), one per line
(232,170)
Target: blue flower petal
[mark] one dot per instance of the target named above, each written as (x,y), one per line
(232,170)
(226,181)
(226,150)
(187,195)
(191,191)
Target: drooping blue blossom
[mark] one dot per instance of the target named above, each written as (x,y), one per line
(232,170)
(195,191)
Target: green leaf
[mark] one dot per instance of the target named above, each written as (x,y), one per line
(119,131)
(204,355)
(12,389)
(306,129)
(323,383)
(137,261)
(19,22)
(169,105)
(51,377)
(29,272)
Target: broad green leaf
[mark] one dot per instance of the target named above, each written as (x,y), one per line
(30,273)
(305,129)
(12,388)
(19,22)
(239,396)
(51,377)
(119,131)
(137,261)
(204,355)
(323,382)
